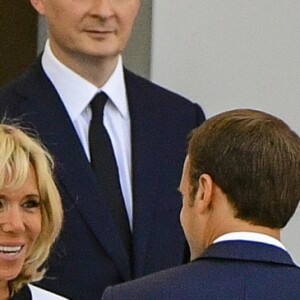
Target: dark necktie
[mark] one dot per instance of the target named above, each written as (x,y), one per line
(105,167)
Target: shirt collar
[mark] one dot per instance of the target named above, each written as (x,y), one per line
(116,90)
(250,236)
(76,92)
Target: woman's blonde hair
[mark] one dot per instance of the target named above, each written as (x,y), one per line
(17,151)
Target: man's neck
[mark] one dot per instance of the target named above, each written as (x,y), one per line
(96,70)
(236,225)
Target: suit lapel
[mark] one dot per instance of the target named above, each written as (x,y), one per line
(145,158)
(249,251)
(42,104)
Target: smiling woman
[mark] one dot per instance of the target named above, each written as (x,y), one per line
(30,214)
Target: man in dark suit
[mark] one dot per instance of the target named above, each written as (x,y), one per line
(240,186)
(147,126)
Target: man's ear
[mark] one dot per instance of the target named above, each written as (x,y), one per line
(204,194)
(39,6)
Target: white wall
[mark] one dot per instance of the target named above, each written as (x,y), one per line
(228,54)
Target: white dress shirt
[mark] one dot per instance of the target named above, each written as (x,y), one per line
(41,294)
(76,94)
(249,236)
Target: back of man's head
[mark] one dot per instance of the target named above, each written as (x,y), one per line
(254,158)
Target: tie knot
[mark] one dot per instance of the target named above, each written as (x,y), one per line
(98,103)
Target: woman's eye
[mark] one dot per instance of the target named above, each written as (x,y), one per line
(31,203)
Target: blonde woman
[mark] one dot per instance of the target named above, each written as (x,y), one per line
(30,214)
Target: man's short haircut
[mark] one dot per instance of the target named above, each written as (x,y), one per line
(254,158)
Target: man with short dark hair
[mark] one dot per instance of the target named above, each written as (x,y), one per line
(240,186)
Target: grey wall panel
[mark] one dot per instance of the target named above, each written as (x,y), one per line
(137,55)
(232,54)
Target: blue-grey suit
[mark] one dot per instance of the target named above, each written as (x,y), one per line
(89,255)
(227,270)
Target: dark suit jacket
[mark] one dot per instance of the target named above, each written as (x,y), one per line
(227,270)
(89,255)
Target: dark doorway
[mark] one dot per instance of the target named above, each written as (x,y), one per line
(18,38)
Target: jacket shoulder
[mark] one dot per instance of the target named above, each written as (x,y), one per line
(139,82)
(154,94)
(33,74)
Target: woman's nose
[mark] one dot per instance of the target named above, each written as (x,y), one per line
(12,221)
